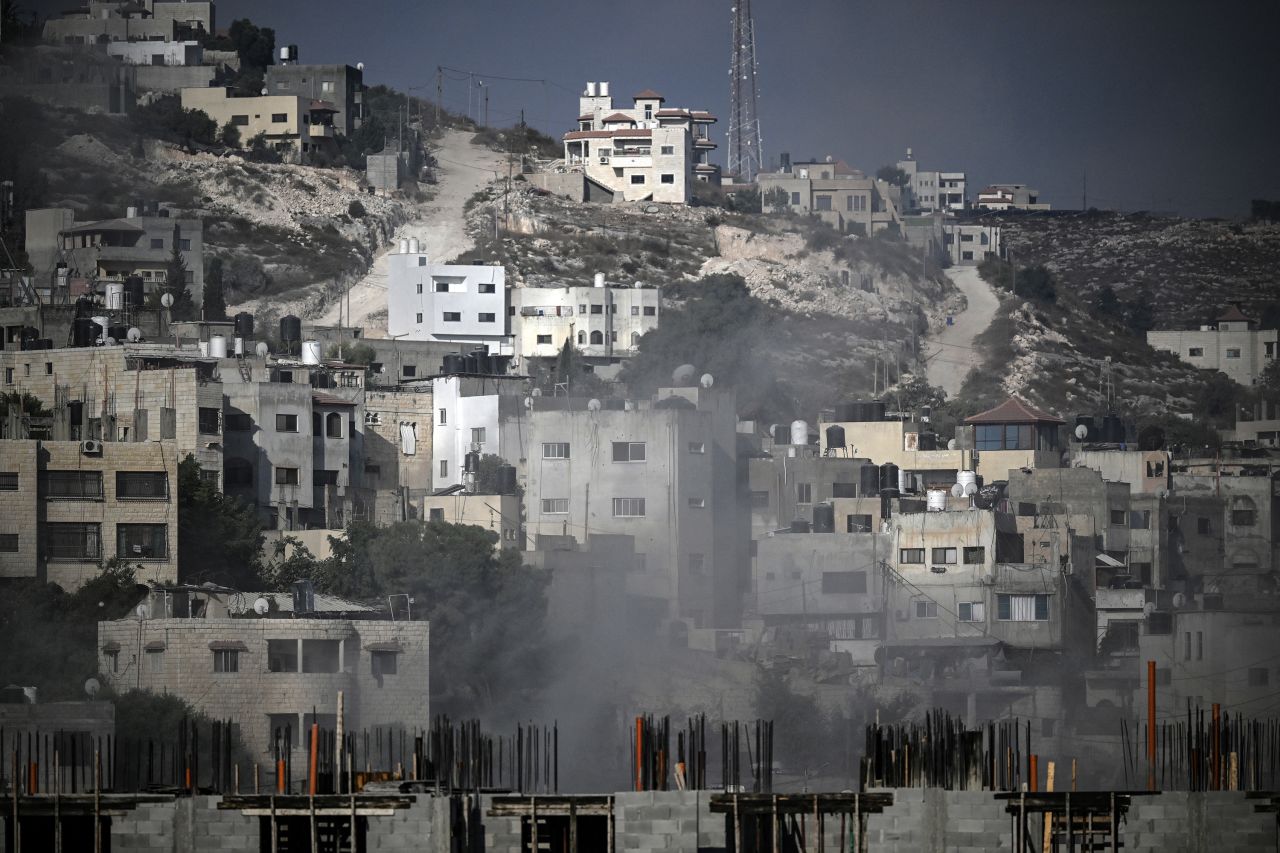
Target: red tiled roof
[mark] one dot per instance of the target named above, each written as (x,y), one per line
(617,117)
(629,132)
(625,133)
(649,95)
(322,399)
(1234,315)
(673,113)
(1014,411)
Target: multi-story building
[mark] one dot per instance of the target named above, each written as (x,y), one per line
(101,21)
(340,85)
(841,196)
(967,243)
(268,671)
(66,507)
(397,448)
(663,471)
(1232,344)
(928,191)
(300,128)
(603,322)
(153,53)
(1010,197)
(499,514)
(70,259)
(450,303)
(645,152)
(475,415)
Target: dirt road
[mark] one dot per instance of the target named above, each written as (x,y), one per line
(950,352)
(463,170)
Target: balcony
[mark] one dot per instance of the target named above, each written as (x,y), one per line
(321,131)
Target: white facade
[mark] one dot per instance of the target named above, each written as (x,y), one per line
(602,321)
(468,416)
(453,303)
(967,244)
(932,191)
(157,52)
(1010,197)
(1231,345)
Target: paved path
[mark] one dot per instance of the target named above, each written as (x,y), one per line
(950,352)
(463,169)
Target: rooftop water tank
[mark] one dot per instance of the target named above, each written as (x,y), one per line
(310,352)
(217,346)
(824,518)
(799,432)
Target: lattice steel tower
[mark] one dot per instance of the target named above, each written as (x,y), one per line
(746,156)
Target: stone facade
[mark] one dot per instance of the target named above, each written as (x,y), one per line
(602,322)
(397,448)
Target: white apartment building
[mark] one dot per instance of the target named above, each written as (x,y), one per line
(1232,344)
(452,303)
(645,152)
(469,415)
(968,243)
(604,321)
(932,191)
(1010,197)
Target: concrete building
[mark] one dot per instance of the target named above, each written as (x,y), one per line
(301,129)
(1232,344)
(1243,528)
(54,323)
(499,514)
(210,648)
(1257,424)
(603,322)
(66,507)
(106,21)
(107,252)
(648,152)
(862,431)
(157,53)
(475,415)
(70,78)
(398,430)
(1014,434)
(929,191)
(663,471)
(450,303)
(1010,197)
(967,243)
(841,196)
(341,85)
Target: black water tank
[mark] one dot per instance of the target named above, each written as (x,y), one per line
(824,518)
(1112,428)
(799,526)
(501,364)
(846,412)
(453,364)
(835,437)
(472,364)
(874,410)
(135,292)
(83,331)
(868,481)
(120,333)
(507,479)
(482,361)
(84,306)
(928,441)
(471,463)
(781,434)
(888,476)
(290,330)
(244,325)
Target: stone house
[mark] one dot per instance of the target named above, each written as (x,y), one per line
(1232,344)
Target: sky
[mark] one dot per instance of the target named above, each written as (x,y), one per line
(1171,106)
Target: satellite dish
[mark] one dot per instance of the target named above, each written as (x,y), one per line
(593,405)
(91,687)
(359,66)
(536,392)
(707,380)
(528,402)
(1082,432)
(629,405)
(110,342)
(261,606)
(684,373)
(134,335)
(264,91)
(1179,599)
(142,611)
(262,349)
(166,300)
(951,445)
(970,489)
(957,491)
(638,285)
(1149,608)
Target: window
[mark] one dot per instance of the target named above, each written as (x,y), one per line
(668,179)
(321,655)
(240,120)
(697,503)
(804,493)
(436,514)
(555,450)
(286,423)
(966,238)
(555,506)
(48,368)
(597,309)
(285,376)
(1243,517)
(453,316)
(226,660)
(8,543)
(597,337)
(1233,352)
(282,655)
(477,435)
(943,556)
(486,317)
(444,468)
(822,202)
(155,661)
(1186,655)
(383,663)
(1195,352)
(1005,437)
(73,485)
(926,609)
(1140,519)
(488,287)
(544,339)
(418,317)
(1199,645)
(157,243)
(142,485)
(286,476)
(628,451)
(419,287)
(238,472)
(697,447)
(333,425)
(667,150)
(8,376)
(637,179)
(1259,677)
(971,611)
(184,245)
(857,523)
(1203,527)
(113,660)
(628,507)
(650,311)
(975,556)
(210,421)
(1022,608)
(760,499)
(279,118)
(444,416)
(844,583)
(635,310)
(8,481)
(237,422)
(442,287)
(73,541)
(911,555)
(324,477)
(795,198)
(1118,518)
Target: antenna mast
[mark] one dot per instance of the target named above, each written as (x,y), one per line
(746,155)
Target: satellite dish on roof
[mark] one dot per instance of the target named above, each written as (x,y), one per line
(528,402)
(684,373)
(593,405)
(91,687)
(536,392)
(262,349)
(142,611)
(110,342)
(1149,608)
(359,66)
(970,489)
(957,491)
(261,606)
(134,335)
(1082,432)
(951,445)
(707,380)
(166,299)
(1179,599)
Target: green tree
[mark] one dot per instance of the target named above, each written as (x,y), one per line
(776,200)
(255,45)
(893,176)
(1036,284)
(489,477)
(1139,313)
(214,302)
(353,353)
(175,283)
(1218,399)
(219,537)
(229,135)
(1107,303)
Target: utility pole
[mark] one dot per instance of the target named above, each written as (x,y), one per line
(439,92)
(1084,191)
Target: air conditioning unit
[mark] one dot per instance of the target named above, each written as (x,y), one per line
(604,161)
(91,448)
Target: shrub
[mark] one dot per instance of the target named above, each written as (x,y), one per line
(356,209)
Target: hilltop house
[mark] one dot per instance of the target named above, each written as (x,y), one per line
(1232,344)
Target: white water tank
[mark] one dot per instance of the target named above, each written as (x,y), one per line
(604,89)
(404,245)
(131,213)
(936,500)
(965,479)
(102,322)
(599,279)
(310,352)
(115,296)
(239,347)
(413,246)
(591,90)
(218,346)
(799,432)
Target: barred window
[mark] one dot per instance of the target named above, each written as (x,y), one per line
(210,421)
(73,540)
(73,485)
(142,485)
(142,541)
(383,663)
(8,481)
(226,660)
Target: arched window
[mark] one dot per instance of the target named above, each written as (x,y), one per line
(597,337)
(1243,511)
(333,425)
(582,338)
(635,339)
